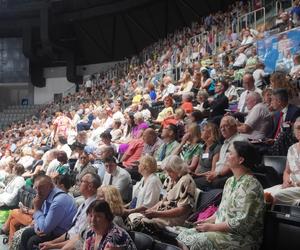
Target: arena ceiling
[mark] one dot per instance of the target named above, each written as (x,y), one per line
(93,31)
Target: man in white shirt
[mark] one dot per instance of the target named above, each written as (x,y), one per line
(259,121)
(118,177)
(241,59)
(89,85)
(88,189)
(248,84)
(169,88)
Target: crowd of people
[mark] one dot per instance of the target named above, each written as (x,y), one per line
(131,152)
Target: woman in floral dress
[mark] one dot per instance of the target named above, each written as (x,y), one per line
(238,223)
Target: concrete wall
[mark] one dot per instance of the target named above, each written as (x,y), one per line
(55,85)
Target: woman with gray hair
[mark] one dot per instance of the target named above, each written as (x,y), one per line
(177,203)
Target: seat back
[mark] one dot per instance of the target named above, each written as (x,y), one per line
(26,196)
(141,240)
(282,228)
(164,246)
(276,162)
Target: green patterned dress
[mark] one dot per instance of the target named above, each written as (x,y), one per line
(242,207)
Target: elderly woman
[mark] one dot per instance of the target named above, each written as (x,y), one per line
(177,203)
(202,99)
(9,195)
(146,192)
(190,147)
(289,191)
(104,234)
(238,223)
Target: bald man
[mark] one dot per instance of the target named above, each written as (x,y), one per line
(151,142)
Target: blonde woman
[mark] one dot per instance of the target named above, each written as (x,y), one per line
(190,147)
(113,197)
(145,193)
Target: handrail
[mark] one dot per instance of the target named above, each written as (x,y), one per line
(247,15)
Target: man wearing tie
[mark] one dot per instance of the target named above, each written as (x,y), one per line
(118,177)
(285,114)
(53,214)
(88,189)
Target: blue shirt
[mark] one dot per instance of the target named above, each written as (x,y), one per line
(56,213)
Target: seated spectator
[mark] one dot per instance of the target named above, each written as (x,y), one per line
(295,13)
(63,167)
(133,153)
(82,167)
(289,191)
(233,222)
(102,226)
(210,154)
(118,177)
(62,145)
(36,166)
(89,184)
(112,196)
(26,159)
(197,117)
(186,83)
(267,98)
(167,111)
(169,136)
(202,100)
(100,154)
(146,192)
(176,204)
(216,178)
(9,194)
(240,60)
(106,139)
(50,221)
(220,101)
(190,147)
(207,83)
(169,88)
(285,114)
(127,128)
(258,122)
(259,75)
(231,93)
(140,125)
(187,104)
(295,70)
(248,84)
(116,132)
(151,91)
(151,142)
(247,38)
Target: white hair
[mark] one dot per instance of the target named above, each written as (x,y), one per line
(176,164)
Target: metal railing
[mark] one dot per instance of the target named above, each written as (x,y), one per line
(249,20)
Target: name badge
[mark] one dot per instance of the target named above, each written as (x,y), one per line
(205,156)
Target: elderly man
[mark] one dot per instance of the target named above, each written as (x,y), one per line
(170,88)
(53,214)
(248,84)
(88,189)
(217,177)
(151,142)
(258,122)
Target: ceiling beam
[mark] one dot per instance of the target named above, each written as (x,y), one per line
(147,33)
(92,39)
(133,42)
